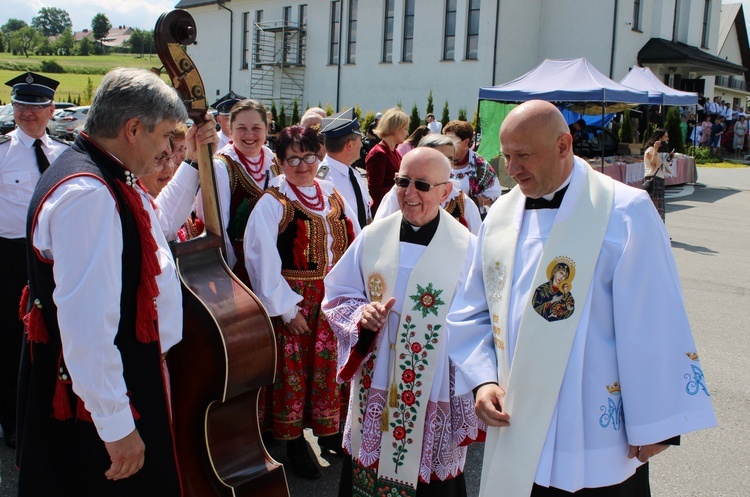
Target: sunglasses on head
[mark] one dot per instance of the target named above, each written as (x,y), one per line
(422,186)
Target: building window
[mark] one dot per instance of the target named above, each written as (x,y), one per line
(286,47)
(449,38)
(637,15)
(388,31)
(302,21)
(706,21)
(258,47)
(407,50)
(472,31)
(351,35)
(245,39)
(333,54)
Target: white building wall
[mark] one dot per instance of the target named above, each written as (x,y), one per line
(529,31)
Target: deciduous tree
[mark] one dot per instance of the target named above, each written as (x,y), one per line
(12,26)
(26,40)
(51,21)
(100,26)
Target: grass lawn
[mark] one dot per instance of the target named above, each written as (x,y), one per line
(71,83)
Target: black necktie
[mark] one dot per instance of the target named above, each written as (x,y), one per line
(543,203)
(361,214)
(41,159)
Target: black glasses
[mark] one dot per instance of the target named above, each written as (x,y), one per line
(421,185)
(307,159)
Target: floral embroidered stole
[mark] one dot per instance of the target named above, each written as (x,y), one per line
(419,336)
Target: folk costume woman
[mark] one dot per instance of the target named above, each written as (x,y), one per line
(406,431)
(476,177)
(298,230)
(244,169)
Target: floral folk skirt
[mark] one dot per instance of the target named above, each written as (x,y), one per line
(305,393)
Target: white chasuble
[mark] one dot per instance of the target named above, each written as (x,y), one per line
(548,324)
(413,355)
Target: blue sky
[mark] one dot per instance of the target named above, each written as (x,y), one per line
(133,13)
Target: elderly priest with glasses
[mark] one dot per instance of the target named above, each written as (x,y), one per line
(25,153)
(387,300)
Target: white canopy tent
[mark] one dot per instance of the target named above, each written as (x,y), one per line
(641,78)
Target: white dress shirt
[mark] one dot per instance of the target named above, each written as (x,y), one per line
(78,227)
(338,174)
(19,174)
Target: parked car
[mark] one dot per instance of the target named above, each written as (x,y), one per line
(595,140)
(51,122)
(70,119)
(7,121)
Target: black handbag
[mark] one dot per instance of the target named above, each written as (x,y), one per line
(648,184)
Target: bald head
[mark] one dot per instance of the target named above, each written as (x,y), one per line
(537,147)
(433,159)
(539,115)
(427,165)
(311,119)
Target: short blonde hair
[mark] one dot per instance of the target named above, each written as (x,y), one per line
(393,120)
(180,131)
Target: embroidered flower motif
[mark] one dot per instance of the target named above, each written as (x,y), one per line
(399,433)
(413,357)
(408,376)
(366,381)
(427,300)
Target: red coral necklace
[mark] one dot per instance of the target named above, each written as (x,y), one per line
(314,202)
(254,169)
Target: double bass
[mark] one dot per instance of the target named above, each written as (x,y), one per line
(228,350)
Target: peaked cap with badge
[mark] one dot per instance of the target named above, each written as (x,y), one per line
(32,88)
(340,125)
(224,104)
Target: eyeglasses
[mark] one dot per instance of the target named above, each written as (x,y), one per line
(307,159)
(166,161)
(33,108)
(422,186)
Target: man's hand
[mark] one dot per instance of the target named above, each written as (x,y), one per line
(645,452)
(201,135)
(298,325)
(489,405)
(374,315)
(127,455)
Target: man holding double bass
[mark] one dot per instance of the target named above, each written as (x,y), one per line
(104,304)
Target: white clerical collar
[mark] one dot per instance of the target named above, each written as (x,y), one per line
(565,183)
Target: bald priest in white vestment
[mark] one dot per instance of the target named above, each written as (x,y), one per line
(571,329)
(386,300)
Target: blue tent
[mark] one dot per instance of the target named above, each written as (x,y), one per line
(566,80)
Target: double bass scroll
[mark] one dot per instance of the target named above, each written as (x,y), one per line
(228,351)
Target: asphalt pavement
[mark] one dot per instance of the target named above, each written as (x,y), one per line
(708,223)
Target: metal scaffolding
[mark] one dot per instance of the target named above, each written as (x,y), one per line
(278,63)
